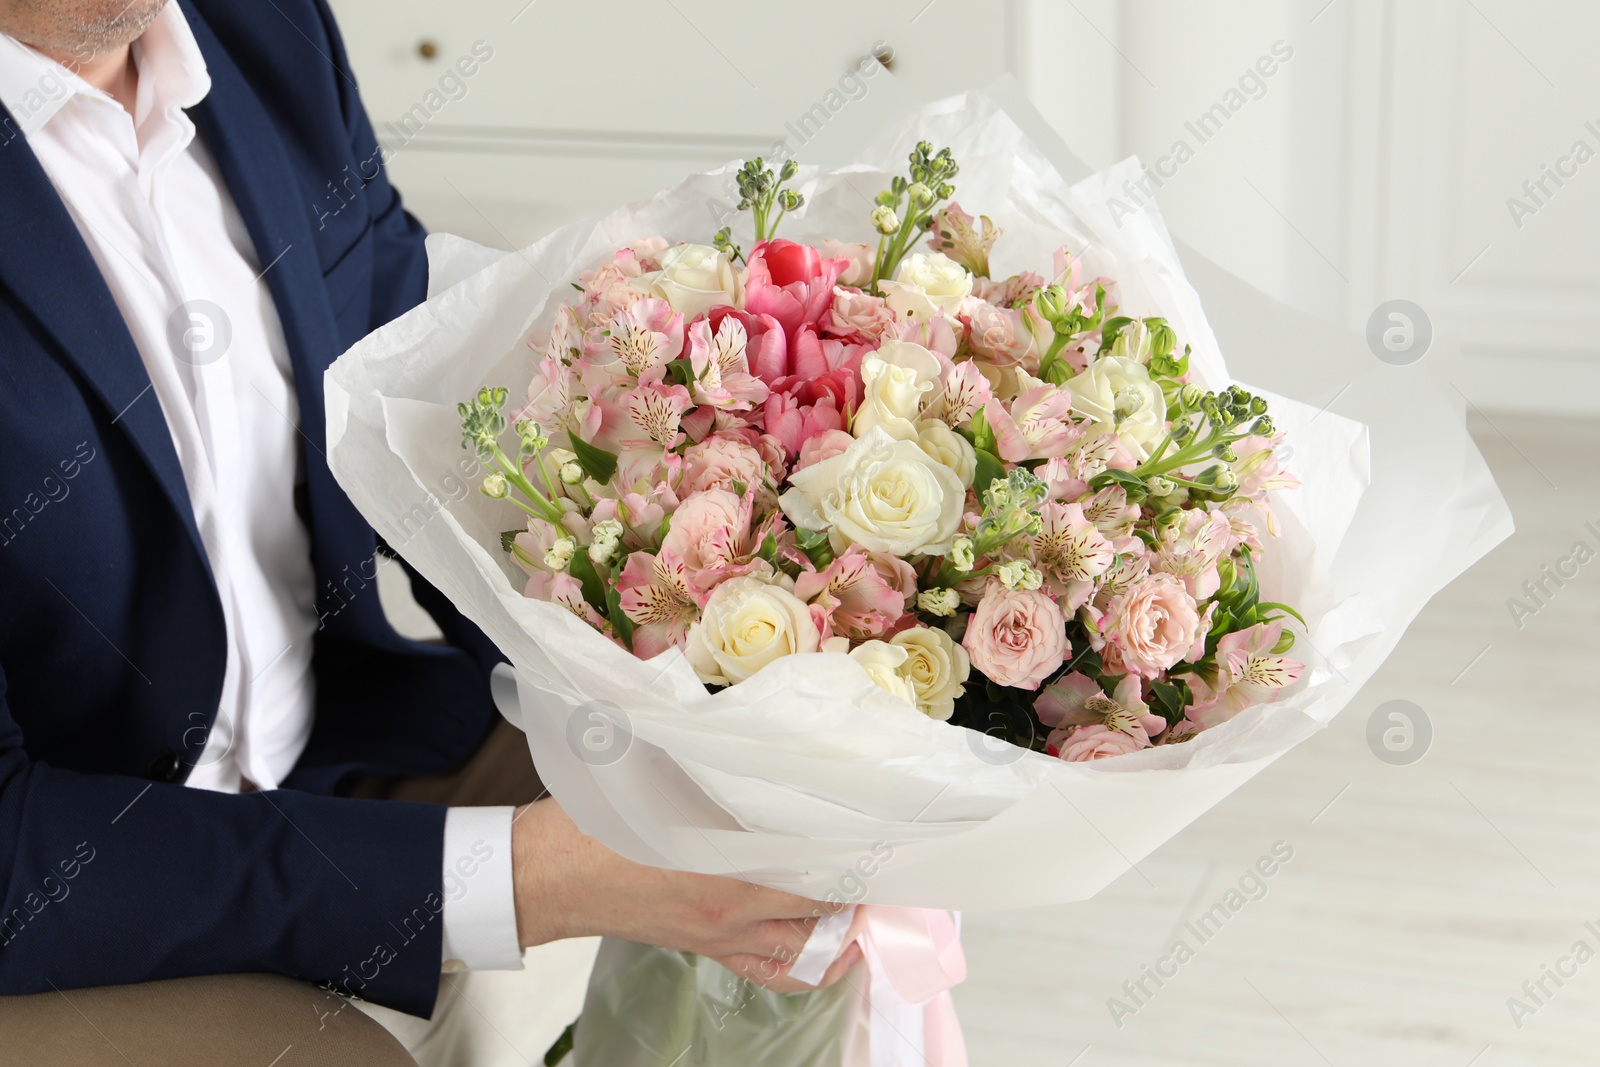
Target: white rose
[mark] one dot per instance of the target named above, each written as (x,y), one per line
(882,662)
(949,448)
(895,379)
(882,494)
(927,284)
(937,668)
(747,623)
(694,279)
(1118,395)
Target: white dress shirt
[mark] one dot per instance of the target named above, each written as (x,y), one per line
(158,218)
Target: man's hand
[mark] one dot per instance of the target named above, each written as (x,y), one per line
(570,885)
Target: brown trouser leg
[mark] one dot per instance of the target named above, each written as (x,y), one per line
(229,1020)
(246,1020)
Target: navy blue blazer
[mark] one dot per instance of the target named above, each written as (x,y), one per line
(111,633)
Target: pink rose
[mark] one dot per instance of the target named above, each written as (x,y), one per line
(1149,627)
(718,462)
(1087,743)
(857,315)
(999,335)
(1016,637)
(711,536)
(825,445)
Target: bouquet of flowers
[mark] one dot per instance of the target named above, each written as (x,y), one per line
(928,571)
(1002,498)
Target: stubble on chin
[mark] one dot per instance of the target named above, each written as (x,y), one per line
(78,29)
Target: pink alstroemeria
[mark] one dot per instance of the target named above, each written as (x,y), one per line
(1247,672)
(1113,516)
(1190,548)
(646,337)
(548,401)
(722,375)
(954,233)
(1077,701)
(1068,476)
(1037,425)
(1071,553)
(563,589)
(964,391)
(657,596)
(851,597)
(640,517)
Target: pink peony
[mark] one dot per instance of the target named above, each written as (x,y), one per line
(791,282)
(1016,637)
(1149,627)
(718,462)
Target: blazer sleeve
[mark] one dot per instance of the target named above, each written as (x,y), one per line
(110,880)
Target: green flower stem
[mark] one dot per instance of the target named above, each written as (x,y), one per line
(544,508)
(1185,456)
(1052,354)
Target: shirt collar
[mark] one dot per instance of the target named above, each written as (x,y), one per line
(172,75)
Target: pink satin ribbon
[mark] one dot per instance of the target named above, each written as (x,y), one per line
(915,953)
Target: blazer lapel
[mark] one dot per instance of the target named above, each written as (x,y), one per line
(45,263)
(269,195)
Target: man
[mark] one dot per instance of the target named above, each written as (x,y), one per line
(191,684)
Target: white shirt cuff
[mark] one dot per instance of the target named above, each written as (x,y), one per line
(480,912)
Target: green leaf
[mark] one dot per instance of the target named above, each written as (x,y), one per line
(594,589)
(989,468)
(596,462)
(1273,605)
(619,618)
(507,537)
(1130,482)
(1170,699)
(681,371)
(982,434)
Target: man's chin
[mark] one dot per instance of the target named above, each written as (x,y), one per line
(79,28)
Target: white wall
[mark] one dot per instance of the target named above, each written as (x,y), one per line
(1375,162)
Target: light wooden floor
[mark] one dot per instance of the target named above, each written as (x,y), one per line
(1417,902)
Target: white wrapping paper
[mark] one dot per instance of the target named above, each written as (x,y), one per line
(807,777)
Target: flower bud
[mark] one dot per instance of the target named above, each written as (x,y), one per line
(494,487)
(884,220)
(1051,303)
(572,472)
(560,553)
(920,194)
(962,557)
(1020,574)
(1190,395)
(1160,486)
(1264,426)
(940,602)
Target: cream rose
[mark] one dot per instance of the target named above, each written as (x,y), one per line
(882,662)
(927,284)
(748,623)
(861,257)
(1118,395)
(882,494)
(896,379)
(694,279)
(937,668)
(949,448)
